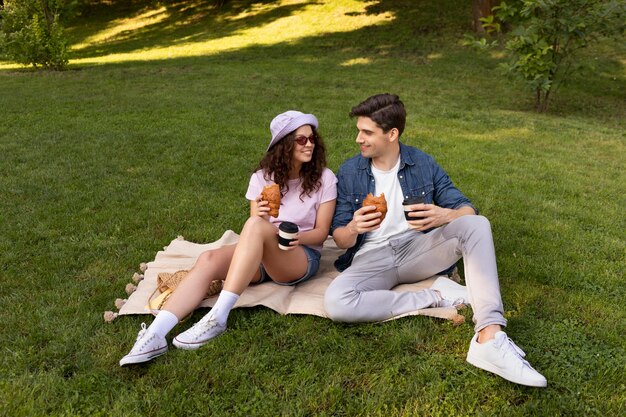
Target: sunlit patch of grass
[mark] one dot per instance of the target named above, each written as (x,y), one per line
(120,28)
(356,61)
(9,66)
(313,19)
(517,133)
(497,54)
(434,56)
(255,10)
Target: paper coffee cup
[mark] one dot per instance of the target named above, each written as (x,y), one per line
(287,233)
(410,201)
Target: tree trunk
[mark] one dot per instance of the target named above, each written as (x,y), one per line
(45,6)
(546,101)
(538,100)
(480,9)
(542,100)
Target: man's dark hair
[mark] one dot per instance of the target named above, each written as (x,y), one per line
(385,109)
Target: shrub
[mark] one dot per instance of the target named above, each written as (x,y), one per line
(545,36)
(31,34)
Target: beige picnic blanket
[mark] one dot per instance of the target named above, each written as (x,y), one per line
(305,298)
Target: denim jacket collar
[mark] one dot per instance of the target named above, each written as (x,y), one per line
(405,156)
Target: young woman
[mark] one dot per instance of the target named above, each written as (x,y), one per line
(296,161)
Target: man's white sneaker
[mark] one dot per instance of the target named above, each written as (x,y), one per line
(199,334)
(452,294)
(502,357)
(147,347)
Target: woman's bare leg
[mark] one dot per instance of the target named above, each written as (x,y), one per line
(211,265)
(258,243)
(150,343)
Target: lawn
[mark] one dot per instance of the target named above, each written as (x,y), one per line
(153,132)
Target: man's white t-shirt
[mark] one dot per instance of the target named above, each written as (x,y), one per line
(394,224)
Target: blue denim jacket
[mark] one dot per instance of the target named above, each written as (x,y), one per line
(419,175)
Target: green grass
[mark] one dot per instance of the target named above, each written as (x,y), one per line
(153,133)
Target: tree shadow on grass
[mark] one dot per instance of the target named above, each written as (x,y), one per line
(418,44)
(128,25)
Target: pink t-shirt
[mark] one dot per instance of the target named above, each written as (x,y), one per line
(292,209)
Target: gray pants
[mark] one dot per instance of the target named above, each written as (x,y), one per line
(362,292)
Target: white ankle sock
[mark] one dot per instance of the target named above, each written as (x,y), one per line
(163,323)
(223,305)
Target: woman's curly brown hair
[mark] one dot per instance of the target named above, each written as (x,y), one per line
(277,163)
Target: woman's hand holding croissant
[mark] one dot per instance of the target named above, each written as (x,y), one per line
(261,208)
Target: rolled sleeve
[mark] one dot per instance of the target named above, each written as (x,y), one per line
(343,209)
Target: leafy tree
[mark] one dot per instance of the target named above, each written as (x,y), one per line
(31,33)
(547,34)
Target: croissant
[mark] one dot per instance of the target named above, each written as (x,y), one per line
(271,194)
(379,202)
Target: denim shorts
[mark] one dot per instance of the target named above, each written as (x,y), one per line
(313,264)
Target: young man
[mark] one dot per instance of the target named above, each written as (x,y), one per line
(381,255)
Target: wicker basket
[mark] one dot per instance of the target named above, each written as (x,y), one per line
(167,283)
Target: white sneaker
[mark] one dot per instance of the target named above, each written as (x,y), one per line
(502,357)
(452,294)
(199,334)
(147,347)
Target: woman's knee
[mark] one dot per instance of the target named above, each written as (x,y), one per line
(204,259)
(256,225)
(213,261)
